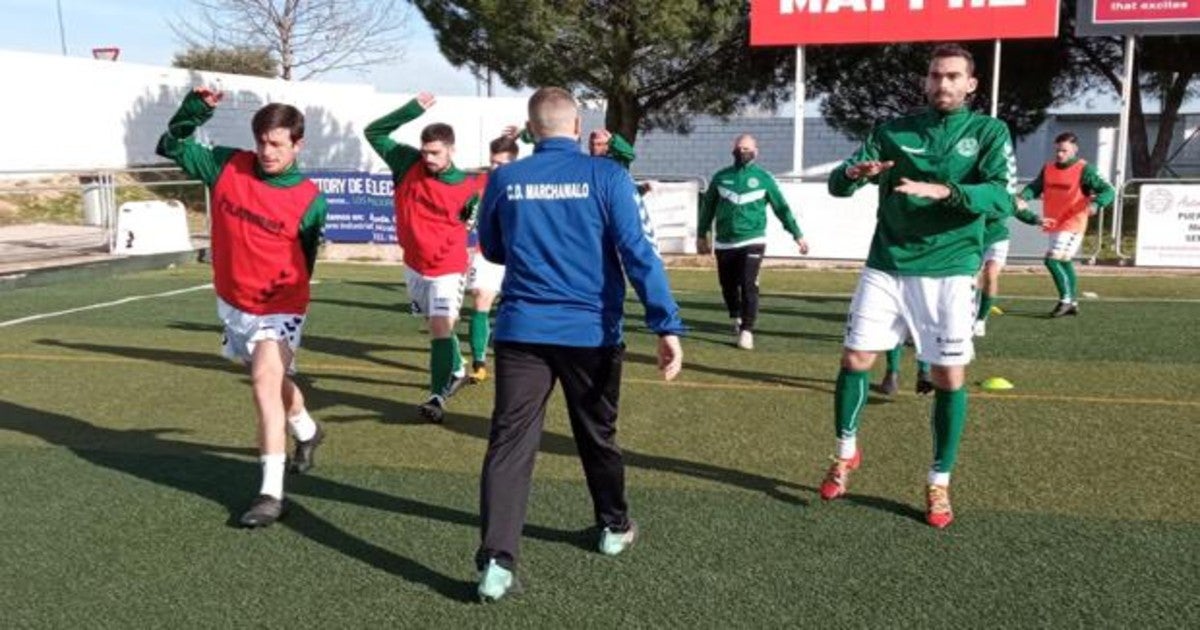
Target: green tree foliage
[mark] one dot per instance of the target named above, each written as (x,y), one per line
(655,63)
(256,62)
(865,84)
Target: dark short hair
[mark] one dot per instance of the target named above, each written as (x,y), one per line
(504,144)
(438,132)
(278,116)
(954,50)
(1066,136)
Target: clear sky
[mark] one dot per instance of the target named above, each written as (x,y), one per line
(141,29)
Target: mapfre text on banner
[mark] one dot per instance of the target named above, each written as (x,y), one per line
(798,22)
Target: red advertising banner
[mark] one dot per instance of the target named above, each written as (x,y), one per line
(1145,11)
(798,22)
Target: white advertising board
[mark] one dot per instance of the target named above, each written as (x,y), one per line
(1168,226)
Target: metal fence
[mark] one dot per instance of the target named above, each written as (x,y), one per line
(94,227)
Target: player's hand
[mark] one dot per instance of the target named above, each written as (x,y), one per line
(803,245)
(1049,223)
(702,246)
(868,169)
(602,135)
(511,132)
(210,96)
(426,100)
(1022,204)
(923,190)
(1092,210)
(670,357)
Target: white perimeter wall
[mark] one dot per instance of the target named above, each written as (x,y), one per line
(71,113)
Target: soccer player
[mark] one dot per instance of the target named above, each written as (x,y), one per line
(1072,190)
(891,377)
(569,229)
(484,278)
(939,172)
(995,255)
(266,225)
(431,196)
(737,200)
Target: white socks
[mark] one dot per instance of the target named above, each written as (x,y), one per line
(847,447)
(272,481)
(302,426)
(939,478)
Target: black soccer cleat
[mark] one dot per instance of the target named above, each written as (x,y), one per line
(302,459)
(924,383)
(890,383)
(432,410)
(1062,309)
(264,511)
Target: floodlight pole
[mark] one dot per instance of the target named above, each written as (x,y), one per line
(798,113)
(62,32)
(1123,135)
(995,78)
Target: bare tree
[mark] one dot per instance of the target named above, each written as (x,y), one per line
(306,37)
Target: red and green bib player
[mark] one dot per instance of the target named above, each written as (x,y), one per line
(266,220)
(431,201)
(1071,190)
(940,174)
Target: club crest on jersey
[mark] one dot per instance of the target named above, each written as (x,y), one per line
(752,182)
(967,147)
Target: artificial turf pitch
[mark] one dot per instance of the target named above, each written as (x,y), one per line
(126,452)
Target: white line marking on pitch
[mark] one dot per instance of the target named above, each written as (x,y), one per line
(90,307)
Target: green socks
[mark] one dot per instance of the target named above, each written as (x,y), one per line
(480,330)
(444,360)
(1072,283)
(985,305)
(1062,277)
(893,358)
(849,397)
(949,418)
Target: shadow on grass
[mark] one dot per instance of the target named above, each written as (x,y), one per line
(754,378)
(557,444)
(335,346)
(205,471)
(317,394)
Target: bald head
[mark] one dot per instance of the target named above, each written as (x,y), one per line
(553,113)
(745,149)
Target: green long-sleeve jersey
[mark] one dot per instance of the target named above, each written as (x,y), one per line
(995,229)
(971,154)
(205,163)
(1090,181)
(399,156)
(736,201)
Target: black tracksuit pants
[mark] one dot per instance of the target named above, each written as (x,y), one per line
(525,377)
(737,270)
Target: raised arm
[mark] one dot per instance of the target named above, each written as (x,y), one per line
(398,156)
(177,144)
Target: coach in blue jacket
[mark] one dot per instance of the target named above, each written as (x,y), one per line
(565,225)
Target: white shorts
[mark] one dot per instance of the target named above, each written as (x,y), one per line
(244,330)
(1064,245)
(937,313)
(439,296)
(997,251)
(484,274)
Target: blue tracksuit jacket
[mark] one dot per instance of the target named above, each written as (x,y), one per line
(564,224)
